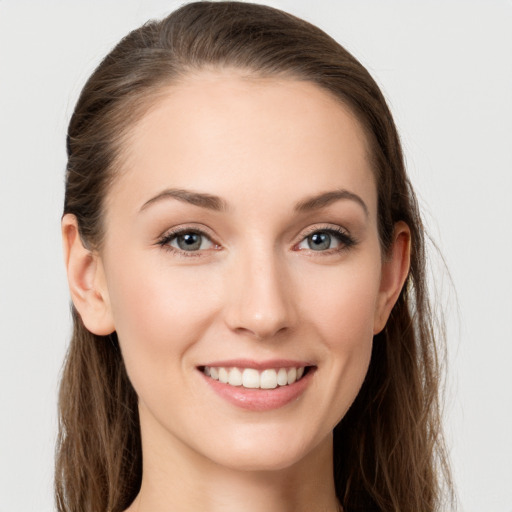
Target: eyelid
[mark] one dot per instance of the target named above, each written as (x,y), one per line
(185,228)
(323,227)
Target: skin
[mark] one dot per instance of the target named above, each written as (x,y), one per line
(255,289)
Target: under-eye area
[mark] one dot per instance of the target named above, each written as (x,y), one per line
(251,378)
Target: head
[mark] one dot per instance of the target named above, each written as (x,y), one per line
(150,100)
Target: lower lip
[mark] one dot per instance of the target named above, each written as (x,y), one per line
(260,399)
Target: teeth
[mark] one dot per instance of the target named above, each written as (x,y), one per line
(268,379)
(250,378)
(253,379)
(282,377)
(223,375)
(235,377)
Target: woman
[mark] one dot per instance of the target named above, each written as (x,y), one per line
(246,262)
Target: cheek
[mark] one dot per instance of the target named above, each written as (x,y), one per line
(343,303)
(158,314)
(342,313)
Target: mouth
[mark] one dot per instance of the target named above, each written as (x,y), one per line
(252,378)
(258,385)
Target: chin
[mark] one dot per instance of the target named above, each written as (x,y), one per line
(261,462)
(269,453)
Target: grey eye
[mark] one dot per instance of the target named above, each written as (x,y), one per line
(191,242)
(324,240)
(319,241)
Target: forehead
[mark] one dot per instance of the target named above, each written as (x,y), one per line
(227,134)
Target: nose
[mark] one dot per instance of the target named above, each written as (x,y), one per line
(259,300)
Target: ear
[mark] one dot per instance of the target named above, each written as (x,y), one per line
(86,280)
(395,269)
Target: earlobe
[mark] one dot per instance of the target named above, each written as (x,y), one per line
(395,269)
(86,280)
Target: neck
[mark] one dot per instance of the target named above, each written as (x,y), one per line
(178,479)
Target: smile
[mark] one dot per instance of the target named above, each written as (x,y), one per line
(251,378)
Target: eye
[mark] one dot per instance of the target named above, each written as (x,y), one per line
(326,239)
(187,241)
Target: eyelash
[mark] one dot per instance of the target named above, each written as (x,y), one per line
(340,234)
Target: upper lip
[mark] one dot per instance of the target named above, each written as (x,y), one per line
(258,365)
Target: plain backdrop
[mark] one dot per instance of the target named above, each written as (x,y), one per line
(446,70)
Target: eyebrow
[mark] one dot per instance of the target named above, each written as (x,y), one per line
(216,203)
(187,196)
(326,198)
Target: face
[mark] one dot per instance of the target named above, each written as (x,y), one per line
(242,268)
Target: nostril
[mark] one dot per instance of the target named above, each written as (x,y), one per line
(261,332)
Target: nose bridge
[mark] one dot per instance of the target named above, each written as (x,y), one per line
(260,298)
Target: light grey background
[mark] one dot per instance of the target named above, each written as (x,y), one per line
(446,69)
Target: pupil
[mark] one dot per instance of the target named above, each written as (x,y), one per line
(319,241)
(189,242)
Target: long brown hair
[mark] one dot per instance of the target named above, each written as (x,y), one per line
(388,449)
